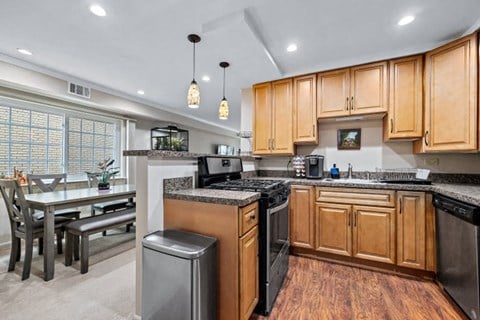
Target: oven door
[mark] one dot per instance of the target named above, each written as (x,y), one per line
(277,231)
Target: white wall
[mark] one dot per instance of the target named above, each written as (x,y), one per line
(374,153)
(246,122)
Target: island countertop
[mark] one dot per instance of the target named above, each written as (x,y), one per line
(232,198)
(180,155)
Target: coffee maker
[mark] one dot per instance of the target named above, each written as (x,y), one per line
(314,166)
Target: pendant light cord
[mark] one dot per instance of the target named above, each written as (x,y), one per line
(224,83)
(194,61)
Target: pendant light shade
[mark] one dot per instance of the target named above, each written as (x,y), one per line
(223,108)
(193,96)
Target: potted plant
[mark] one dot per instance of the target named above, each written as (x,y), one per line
(107,171)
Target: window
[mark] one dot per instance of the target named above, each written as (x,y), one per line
(42,139)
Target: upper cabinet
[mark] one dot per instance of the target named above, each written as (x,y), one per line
(354,91)
(405,113)
(451,102)
(305,129)
(273,118)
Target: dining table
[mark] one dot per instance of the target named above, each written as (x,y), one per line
(48,202)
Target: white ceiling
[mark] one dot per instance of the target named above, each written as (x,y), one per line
(143,44)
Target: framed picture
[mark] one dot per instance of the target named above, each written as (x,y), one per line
(349,139)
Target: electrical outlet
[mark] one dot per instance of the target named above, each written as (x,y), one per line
(431,161)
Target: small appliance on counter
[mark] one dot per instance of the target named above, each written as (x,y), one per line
(314,166)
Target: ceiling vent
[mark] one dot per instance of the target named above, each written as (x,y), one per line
(79,90)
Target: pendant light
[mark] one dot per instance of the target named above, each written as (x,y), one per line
(193,96)
(223,108)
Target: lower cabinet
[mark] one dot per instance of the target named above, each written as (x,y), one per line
(236,229)
(302,202)
(393,227)
(248,267)
(411,229)
(359,231)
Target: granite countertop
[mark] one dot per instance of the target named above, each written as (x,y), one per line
(181,155)
(231,198)
(462,192)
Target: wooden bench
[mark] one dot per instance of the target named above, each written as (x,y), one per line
(83,228)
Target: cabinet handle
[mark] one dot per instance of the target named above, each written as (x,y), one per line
(349,218)
(352,106)
(426,140)
(273,144)
(355,218)
(391,125)
(400,209)
(313,130)
(346,103)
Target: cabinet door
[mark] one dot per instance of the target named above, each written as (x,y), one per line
(262,118)
(451,96)
(305,109)
(405,112)
(333,228)
(374,233)
(333,93)
(282,110)
(411,239)
(302,219)
(369,88)
(248,273)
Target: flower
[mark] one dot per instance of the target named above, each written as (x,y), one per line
(107,170)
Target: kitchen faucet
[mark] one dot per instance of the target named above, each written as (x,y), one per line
(350,168)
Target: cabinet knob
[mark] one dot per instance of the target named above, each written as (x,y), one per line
(252,217)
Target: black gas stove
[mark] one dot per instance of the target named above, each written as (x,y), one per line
(225,174)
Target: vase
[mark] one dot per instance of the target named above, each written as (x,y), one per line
(103,185)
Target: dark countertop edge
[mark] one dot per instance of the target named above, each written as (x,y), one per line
(181,155)
(215,200)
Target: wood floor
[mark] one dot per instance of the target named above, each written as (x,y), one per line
(320,290)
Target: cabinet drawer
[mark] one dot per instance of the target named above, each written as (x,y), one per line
(370,197)
(248,217)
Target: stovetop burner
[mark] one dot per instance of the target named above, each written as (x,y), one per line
(248,185)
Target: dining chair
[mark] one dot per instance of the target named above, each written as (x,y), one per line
(24,226)
(49,183)
(109,206)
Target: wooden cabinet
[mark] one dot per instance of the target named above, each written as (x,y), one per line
(346,226)
(305,129)
(451,97)
(373,230)
(237,252)
(302,214)
(411,229)
(273,114)
(405,109)
(354,91)
(333,228)
(248,267)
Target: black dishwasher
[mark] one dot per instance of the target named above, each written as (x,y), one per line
(457,226)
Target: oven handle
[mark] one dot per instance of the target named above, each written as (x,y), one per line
(278,208)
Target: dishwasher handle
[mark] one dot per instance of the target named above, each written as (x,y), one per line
(462,210)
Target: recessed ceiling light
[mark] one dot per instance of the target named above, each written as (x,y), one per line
(24,51)
(292,47)
(406,20)
(141,92)
(98,10)
(206,78)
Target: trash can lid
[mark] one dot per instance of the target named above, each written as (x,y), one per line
(181,244)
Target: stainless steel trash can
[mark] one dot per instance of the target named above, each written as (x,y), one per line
(179,276)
